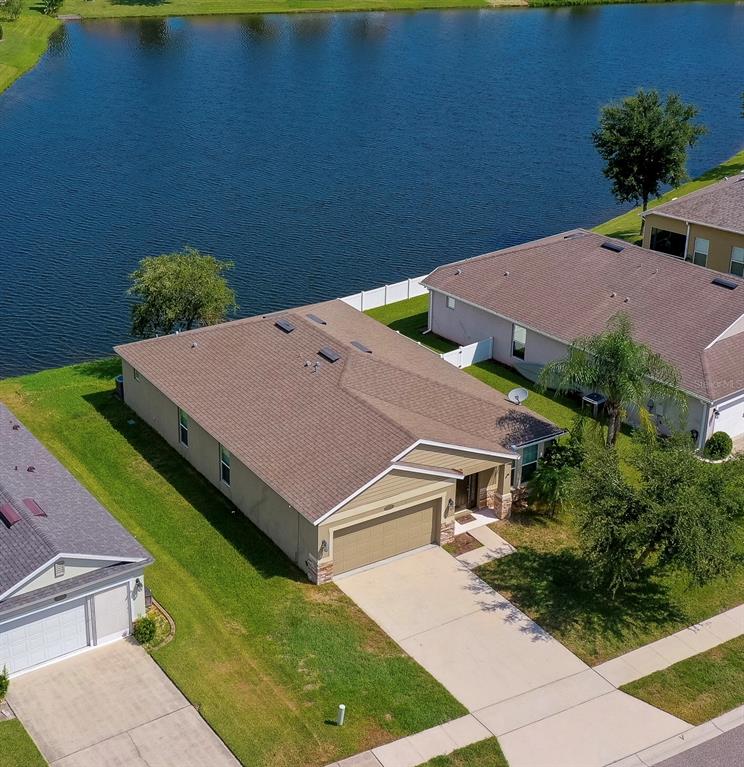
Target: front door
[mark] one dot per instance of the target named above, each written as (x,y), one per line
(466,493)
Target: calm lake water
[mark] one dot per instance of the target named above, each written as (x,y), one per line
(322,153)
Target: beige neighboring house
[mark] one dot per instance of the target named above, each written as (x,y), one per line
(535,299)
(343,441)
(705,227)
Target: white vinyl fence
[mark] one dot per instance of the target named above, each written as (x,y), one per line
(464,356)
(387,294)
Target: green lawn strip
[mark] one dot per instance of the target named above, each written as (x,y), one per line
(485,753)
(24,41)
(628,226)
(264,655)
(549,579)
(104,9)
(410,318)
(699,688)
(16,747)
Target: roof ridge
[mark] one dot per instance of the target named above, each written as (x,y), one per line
(702,191)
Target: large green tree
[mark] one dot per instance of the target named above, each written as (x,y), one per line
(678,511)
(179,291)
(628,373)
(643,141)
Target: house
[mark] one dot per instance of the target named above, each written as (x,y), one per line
(343,441)
(71,577)
(705,227)
(535,299)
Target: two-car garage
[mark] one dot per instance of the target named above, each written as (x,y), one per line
(47,635)
(383,537)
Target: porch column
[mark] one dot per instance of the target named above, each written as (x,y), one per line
(502,497)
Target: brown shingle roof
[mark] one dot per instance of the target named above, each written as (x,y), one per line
(568,286)
(317,437)
(720,205)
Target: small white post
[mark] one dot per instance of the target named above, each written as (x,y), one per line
(341,715)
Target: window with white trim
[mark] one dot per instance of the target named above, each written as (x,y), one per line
(225,465)
(183,428)
(529,463)
(737,262)
(450,302)
(136,374)
(519,341)
(700,255)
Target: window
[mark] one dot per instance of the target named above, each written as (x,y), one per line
(450,302)
(136,374)
(59,569)
(183,428)
(671,243)
(700,256)
(519,341)
(225,465)
(529,463)
(737,261)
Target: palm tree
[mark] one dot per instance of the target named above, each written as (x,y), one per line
(629,374)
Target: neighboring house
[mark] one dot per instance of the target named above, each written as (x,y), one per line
(71,577)
(343,441)
(536,298)
(705,227)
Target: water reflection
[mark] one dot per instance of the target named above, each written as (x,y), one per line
(311,26)
(259,27)
(371,26)
(59,42)
(153,33)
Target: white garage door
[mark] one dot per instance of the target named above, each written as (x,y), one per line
(42,637)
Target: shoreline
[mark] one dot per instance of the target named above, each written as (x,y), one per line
(26,39)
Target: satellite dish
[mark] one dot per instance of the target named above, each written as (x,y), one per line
(518,396)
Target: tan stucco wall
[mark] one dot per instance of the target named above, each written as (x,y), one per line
(290,531)
(721,243)
(73,568)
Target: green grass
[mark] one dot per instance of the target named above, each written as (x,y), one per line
(549,579)
(16,747)
(699,688)
(264,655)
(628,226)
(410,317)
(485,753)
(97,9)
(24,42)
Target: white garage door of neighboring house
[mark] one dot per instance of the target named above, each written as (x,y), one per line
(383,537)
(112,614)
(731,419)
(42,637)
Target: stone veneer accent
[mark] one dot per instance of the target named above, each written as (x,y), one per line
(447,531)
(319,574)
(502,505)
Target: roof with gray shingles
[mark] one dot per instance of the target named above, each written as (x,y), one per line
(75,525)
(568,286)
(720,205)
(316,436)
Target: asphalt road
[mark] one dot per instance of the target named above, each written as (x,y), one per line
(726,750)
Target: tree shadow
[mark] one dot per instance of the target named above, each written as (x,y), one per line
(105,369)
(558,591)
(250,542)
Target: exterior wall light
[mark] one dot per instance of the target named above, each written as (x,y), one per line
(323,548)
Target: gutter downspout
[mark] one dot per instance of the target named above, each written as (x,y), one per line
(687,241)
(704,426)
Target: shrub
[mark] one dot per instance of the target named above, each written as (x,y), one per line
(51,6)
(144,630)
(718,446)
(12,9)
(4,683)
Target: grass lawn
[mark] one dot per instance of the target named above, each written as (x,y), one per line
(485,753)
(16,747)
(410,317)
(23,43)
(264,655)
(548,578)
(699,688)
(628,226)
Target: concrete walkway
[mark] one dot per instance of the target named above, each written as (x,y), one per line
(113,706)
(548,708)
(494,547)
(674,648)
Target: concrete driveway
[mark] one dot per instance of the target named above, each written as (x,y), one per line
(111,707)
(547,707)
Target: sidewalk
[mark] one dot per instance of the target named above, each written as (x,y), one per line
(674,648)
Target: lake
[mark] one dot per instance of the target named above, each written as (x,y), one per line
(323,154)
